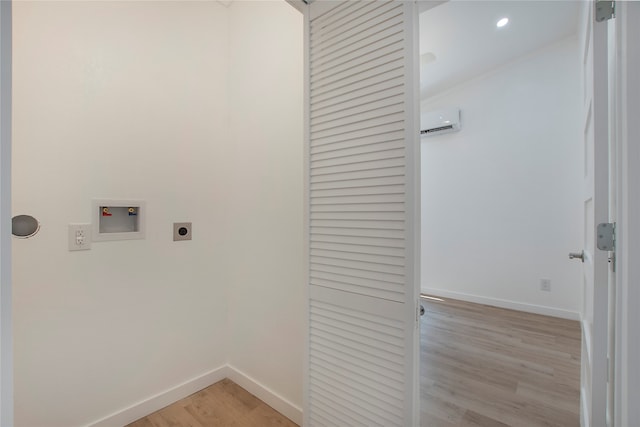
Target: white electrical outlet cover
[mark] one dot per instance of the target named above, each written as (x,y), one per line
(79,237)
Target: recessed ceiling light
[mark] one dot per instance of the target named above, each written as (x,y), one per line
(501,23)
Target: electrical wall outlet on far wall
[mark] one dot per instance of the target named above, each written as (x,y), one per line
(545,285)
(79,237)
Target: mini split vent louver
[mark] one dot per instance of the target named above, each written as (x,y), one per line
(439,122)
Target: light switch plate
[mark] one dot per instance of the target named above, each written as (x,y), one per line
(79,237)
(182,231)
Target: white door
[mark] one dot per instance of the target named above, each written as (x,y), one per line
(362,221)
(595,307)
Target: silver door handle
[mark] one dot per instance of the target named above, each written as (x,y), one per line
(577,255)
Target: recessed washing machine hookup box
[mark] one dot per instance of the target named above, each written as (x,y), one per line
(118,219)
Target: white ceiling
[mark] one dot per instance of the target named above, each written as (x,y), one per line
(466,42)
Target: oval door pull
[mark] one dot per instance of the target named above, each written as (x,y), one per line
(577,255)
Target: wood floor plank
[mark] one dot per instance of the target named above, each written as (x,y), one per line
(480,367)
(441,408)
(176,416)
(473,419)
(224,404)
(144,422)
(428,419)
(210,411)
(265,416)
(498,367)
(561,398)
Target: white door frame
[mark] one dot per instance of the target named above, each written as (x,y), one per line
(627,376)
(6,336)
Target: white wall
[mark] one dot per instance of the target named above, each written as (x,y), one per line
(501,200)
(266,293)
(136,100)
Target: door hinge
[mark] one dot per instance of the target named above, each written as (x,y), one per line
(606,241)
(606,236)
(605,10)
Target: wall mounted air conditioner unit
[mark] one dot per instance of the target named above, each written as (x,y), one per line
(439,122)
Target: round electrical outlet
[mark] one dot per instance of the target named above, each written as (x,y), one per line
(182,231)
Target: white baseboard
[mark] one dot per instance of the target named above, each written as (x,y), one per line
(268,396)
(496,302)
(166,398)
(161,400)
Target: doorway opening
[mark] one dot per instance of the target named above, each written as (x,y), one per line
(501,209)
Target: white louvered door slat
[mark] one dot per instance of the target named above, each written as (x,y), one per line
(361,151)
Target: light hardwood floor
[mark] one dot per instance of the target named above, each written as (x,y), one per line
(224,404)
(491,367)
(480,367)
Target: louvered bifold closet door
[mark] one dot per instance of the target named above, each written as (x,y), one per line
(361,186)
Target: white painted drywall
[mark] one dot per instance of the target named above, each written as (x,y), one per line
(501,200)
(125,100)
(197,109)
(266,292)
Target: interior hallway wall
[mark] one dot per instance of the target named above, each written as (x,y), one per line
(197,109)
(118,100)
(266,287)
(501,199)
